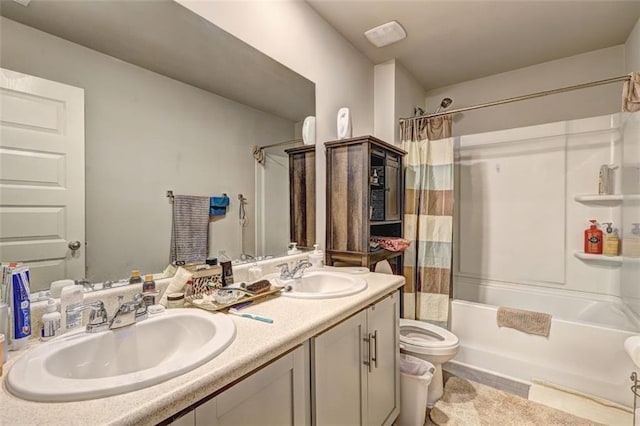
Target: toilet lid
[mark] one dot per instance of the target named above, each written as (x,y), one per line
(421,335)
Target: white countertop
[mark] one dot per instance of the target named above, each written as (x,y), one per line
(256,343)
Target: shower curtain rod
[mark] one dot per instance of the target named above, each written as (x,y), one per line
(280,144)
(522,98)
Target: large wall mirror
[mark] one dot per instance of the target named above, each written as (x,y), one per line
(170,102)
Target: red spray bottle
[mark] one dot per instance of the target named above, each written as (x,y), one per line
(593,239)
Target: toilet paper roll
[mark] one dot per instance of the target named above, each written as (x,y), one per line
(632,347)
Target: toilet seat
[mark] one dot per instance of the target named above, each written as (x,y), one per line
(428,339)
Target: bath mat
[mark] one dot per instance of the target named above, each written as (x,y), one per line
(466,403)
(528,321)
(578,403)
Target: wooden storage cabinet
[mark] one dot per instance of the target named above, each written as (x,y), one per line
(364,198)
(355,371)
(302,195)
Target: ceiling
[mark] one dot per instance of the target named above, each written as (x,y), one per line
(143,33)
(453,41)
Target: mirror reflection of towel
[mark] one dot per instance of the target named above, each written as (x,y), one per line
(218,205)
(190,230)
(631,93)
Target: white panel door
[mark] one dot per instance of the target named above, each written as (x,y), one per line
(42,177)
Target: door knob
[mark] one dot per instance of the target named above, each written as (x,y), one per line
(74,245)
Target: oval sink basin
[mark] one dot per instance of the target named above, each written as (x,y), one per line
(80,365)
(320,285)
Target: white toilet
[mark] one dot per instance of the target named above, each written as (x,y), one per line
(431,343)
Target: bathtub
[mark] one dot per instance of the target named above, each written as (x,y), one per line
(584,350)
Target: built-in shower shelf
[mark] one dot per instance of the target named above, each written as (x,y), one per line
(605,199)
(598,258)
(595,198)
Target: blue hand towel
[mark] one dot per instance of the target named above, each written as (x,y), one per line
(218,205)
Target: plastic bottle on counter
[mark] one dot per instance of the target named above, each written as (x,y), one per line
(610,241)
(593,239)
(254,273)
(631,243)
(135,277)
(149,290)
(50,321)
(70,296)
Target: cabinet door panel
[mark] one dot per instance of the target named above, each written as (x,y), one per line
(348,201)
(339,373)
(272,396)
(383,387)
(188,419)
(392,189)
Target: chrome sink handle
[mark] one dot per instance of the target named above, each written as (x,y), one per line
(98,320)
(141,310)
(284,271)
(129,312)
(299,268)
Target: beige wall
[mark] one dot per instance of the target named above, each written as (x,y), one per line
(590,66)
(409,94)
(145,134)
(397,93)
(292,33)
(632,50)
(384,101)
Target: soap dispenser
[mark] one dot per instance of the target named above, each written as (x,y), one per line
(593,239)
(293,248)
(610,242)
(631,243)
(316,257)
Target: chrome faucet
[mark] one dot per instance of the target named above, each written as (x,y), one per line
(129,312)
(296,272)
(97,318)
(88,285)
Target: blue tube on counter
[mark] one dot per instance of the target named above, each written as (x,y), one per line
(20,308)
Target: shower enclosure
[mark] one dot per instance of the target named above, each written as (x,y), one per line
(524,197)
(272,201)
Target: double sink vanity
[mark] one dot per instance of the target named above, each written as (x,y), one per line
(331,355)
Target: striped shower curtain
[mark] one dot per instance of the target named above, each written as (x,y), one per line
(428,218)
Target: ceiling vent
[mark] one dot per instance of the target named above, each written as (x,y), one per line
(385,34)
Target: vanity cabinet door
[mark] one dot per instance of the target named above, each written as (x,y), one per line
(383,396)
(339,374)
(275,395)
(189,419)
(355,371)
